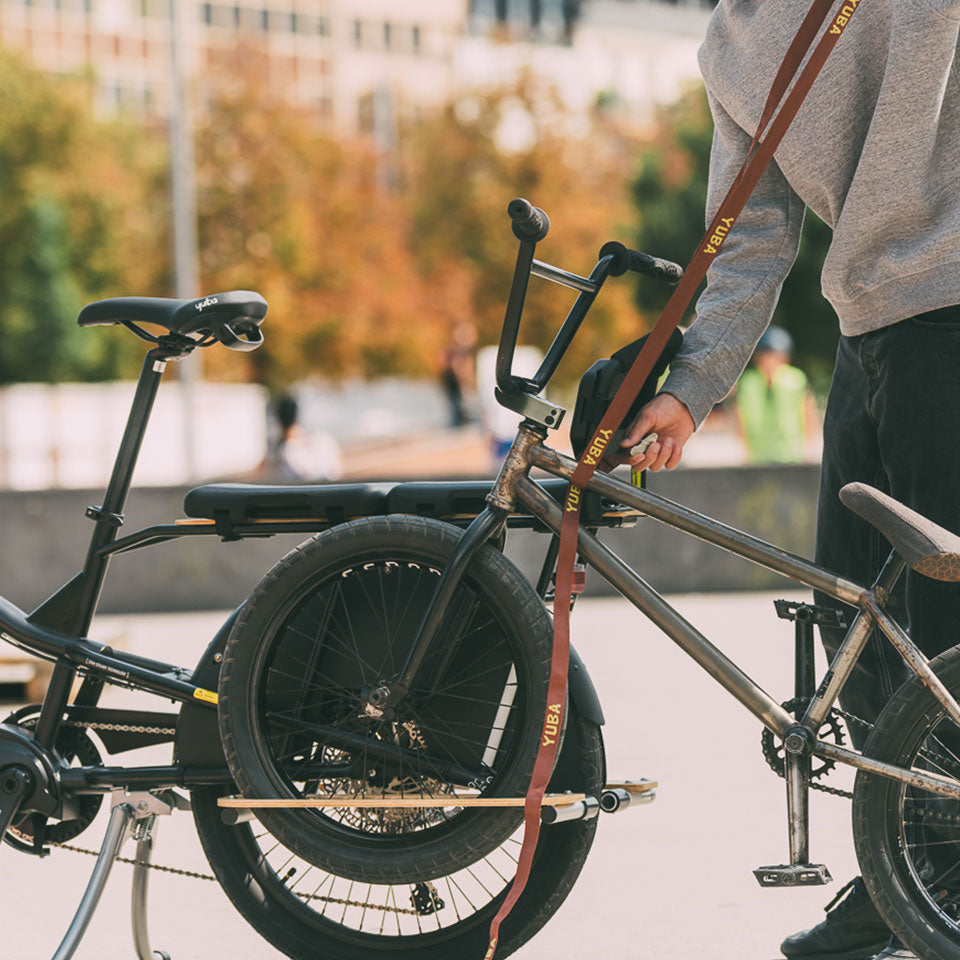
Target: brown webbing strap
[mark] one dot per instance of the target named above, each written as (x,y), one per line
(757,160)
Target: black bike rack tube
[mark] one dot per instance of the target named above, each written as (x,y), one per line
(78,780)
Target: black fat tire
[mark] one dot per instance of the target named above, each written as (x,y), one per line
(877,817)
(438,850)
(301,932)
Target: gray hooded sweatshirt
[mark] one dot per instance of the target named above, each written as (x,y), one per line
(874,152)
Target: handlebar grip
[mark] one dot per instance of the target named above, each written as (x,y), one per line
(626,259)
(529,222)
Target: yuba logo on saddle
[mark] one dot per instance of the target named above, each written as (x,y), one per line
(207,302)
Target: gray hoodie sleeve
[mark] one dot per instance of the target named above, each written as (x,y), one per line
(744,282)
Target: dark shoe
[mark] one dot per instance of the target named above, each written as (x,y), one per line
(853,930)
(895,950)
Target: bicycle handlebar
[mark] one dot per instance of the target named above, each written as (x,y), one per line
(626,259)
(529,222)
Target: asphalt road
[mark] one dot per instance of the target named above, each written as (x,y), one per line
(671,880)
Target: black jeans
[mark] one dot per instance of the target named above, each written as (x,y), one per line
(892,421)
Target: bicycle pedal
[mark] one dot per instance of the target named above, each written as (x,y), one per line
(793,875)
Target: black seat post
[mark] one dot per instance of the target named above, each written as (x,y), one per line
(109,516)
(107,519)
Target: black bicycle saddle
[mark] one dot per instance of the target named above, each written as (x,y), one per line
(233,317)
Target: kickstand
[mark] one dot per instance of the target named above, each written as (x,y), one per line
(132,814)
(138,900)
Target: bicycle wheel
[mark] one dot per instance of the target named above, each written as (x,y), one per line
(336,617)
(310,914)
(907,838)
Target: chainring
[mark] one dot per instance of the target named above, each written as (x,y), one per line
(773,752)
(83,750)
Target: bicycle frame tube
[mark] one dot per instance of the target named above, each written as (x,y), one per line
(108,518)
(646,599)
(720,667)
(846,657)
(758,551)
(803,571)
(712,531)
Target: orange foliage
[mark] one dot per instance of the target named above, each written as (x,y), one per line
(365,280)
(299,216)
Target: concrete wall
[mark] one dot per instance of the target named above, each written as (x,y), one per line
(43,538)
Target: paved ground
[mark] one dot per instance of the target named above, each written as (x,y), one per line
(671,880)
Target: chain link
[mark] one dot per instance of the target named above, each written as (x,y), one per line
(120,727)
(192,874)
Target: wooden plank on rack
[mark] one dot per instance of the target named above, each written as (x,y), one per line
(631,786)
(247,803)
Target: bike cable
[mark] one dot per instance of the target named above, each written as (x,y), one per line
(780,110)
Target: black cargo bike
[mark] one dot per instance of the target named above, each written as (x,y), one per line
(347,738)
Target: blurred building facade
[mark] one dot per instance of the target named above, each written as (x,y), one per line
(361,64)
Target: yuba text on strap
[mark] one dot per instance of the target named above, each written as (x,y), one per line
(781,108)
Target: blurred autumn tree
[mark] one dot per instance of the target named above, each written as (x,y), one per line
(362,280)
(297,214)
(670,190)
(366,281)
(463,166)
(66,239)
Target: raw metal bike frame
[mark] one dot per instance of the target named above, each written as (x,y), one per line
(515,487)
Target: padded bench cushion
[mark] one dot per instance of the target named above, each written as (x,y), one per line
(337,502)
(461,498)
(232,503)
(239,502)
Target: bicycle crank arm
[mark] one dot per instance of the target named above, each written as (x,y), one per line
(16,783)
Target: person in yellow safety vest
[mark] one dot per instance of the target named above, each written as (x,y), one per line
(777,412)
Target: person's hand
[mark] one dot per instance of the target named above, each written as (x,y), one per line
(666,416)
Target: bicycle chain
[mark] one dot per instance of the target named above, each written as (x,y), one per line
(120,727)
(845,715)
(192,874)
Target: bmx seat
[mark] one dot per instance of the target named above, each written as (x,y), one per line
(177,316)
(927,547)
(243,502)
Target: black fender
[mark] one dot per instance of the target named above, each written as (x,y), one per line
(583,693)
(197,742)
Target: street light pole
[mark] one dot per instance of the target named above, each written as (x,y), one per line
(184,204)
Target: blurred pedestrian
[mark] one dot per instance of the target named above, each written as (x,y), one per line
(776,408)
(457,376)
(293,453)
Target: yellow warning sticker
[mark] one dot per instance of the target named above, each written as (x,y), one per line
(208,696)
